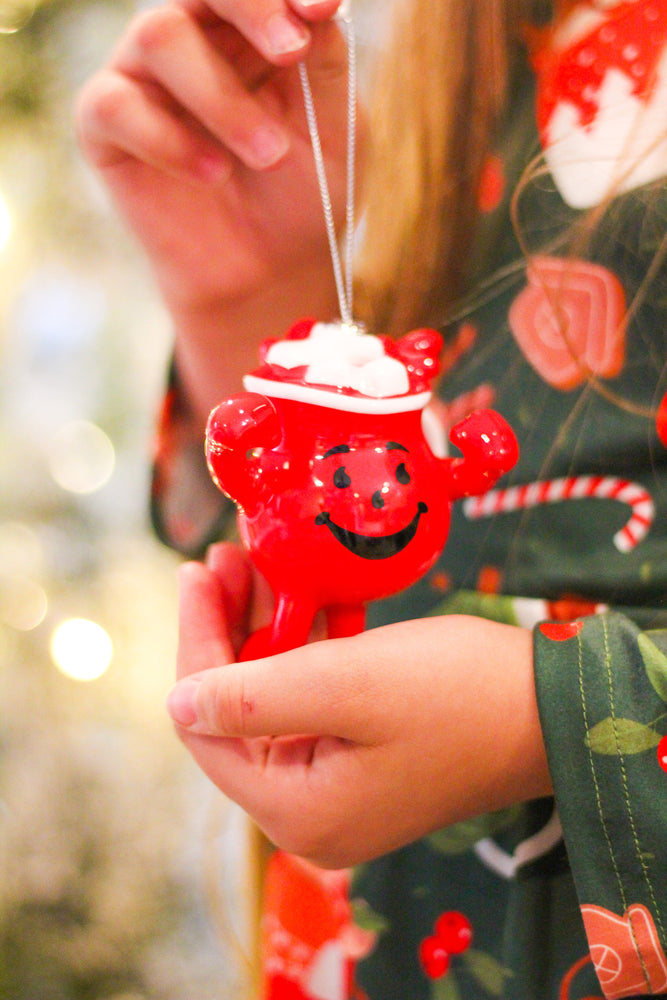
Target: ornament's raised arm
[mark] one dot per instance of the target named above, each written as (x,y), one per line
(489,450)
(236,427)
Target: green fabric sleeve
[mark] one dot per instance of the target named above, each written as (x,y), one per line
(602,695)
(188,512)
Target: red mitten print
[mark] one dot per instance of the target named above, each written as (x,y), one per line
(626,951)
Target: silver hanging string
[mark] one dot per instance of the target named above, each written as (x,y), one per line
(342,269)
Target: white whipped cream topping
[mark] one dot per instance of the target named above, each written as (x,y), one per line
(340,356)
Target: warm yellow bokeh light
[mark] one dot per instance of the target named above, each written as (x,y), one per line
(5,224)
(14,15)
(81,649)
(81,457)
(23,603)
(21,550)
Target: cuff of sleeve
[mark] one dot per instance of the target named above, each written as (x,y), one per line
(601,688)
(188,511)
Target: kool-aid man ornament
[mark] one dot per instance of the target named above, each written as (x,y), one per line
(342,499)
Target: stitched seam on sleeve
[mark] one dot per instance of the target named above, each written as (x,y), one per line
(626,796)
(591,759)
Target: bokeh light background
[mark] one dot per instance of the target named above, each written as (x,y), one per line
(122,871)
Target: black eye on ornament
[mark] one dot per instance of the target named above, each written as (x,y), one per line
(402,474)
(341,478)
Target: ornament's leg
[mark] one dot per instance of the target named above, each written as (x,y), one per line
(290,628)
(345,619)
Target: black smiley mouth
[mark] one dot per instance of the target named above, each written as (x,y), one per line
(373,547)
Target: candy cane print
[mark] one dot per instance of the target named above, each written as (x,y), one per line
(514,498)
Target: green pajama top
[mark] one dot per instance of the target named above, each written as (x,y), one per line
(567,898)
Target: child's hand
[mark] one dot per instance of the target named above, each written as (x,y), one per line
(348,748)
(198,128)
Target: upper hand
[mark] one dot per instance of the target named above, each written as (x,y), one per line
(197,126)
(346,749)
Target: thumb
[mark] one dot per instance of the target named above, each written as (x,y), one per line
(320,689)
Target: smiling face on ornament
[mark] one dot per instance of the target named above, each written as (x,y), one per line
(372,506)
(362,511)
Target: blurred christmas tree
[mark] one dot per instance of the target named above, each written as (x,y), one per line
(105,826)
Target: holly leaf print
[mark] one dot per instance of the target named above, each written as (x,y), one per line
(655,660)
(445,988)
(367,918)
(621,736)
(461,837)
(487,970)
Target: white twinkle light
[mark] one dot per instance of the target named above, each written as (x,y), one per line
(81,457)
(81,649)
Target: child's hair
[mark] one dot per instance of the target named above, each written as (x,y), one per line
(434,118)
(434,115)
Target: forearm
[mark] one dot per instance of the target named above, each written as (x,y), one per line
(498,754)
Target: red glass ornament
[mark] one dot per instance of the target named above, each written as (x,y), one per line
(341,498)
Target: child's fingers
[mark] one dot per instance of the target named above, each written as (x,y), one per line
(231,565)
(183,92)
(119,118)
(269,25)
(318,10)
(301,791)
(204,633)
(276,28)
(168,46)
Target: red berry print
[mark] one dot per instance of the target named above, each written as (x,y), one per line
(433,957)
(454,932)
(565,609)
(441,582)
(662,753)
(489,580)
(452,936)
(661,421)
(560,631)
(492,184)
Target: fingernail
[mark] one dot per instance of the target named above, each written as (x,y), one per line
(268,146)
(284,36)
(181,701)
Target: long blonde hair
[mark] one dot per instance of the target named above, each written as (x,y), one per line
(433,117)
